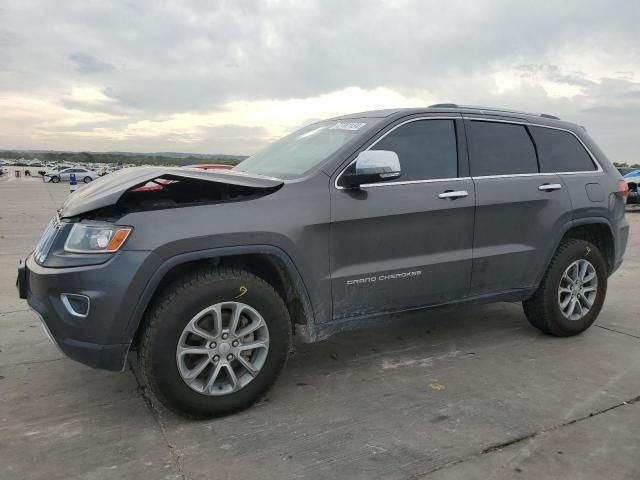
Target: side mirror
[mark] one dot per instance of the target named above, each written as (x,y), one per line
(373,166)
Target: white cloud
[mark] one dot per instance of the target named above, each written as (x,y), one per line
(513,80)
(274,117)
(89,94)
(278,116)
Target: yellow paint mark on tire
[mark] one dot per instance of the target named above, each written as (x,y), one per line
(243,290)
(436,386)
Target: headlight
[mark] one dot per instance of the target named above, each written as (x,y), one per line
(96,238)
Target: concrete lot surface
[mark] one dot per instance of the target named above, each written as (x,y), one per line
(470,393)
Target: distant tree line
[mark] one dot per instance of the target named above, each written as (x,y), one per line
(122,158)
(626,165)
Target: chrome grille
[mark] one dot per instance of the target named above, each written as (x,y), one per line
(47,239)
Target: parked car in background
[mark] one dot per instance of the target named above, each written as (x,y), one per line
(624,170)
(54,169)
(82,175)
(633,182)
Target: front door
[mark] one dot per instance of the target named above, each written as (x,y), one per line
(407,242)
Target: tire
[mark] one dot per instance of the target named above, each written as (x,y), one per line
(177,307)
(87,179)
(55,179)
(543,309)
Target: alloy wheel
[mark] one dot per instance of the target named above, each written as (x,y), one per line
(222,348)
(578,289)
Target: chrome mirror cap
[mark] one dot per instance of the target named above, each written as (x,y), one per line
(373,166)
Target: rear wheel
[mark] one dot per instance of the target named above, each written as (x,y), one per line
(215,342)
(570,296)
(87,179)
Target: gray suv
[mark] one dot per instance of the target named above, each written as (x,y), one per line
(207,274)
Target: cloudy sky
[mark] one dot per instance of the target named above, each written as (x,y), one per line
(229,76)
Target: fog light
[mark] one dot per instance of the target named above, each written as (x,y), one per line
(77,305)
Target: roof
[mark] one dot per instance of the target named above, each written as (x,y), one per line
(543,118)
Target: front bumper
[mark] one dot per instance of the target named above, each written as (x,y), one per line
(100,338)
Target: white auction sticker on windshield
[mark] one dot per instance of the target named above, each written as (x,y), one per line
(347,126)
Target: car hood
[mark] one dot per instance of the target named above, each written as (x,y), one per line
(107,190)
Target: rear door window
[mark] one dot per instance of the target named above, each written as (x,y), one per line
(560,151)
(500,149)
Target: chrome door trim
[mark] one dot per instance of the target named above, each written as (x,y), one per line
(481,119)
(509,175)
(515,122)
(410,182)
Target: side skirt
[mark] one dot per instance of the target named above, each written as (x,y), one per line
(325,330)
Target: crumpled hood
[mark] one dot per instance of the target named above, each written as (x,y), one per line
(107,190)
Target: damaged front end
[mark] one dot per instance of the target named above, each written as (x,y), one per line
(154,188)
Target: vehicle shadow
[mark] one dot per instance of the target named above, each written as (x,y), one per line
(449,331)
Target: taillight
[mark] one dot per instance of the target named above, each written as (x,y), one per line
(623,188)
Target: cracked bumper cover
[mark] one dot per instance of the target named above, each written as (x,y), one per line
(101,339)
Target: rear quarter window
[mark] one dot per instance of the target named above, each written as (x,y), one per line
(560,151)
(501,149)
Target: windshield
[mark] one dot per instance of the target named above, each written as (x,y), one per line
(294,155)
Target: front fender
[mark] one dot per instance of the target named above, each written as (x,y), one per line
(308,330)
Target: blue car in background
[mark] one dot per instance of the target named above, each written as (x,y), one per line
(633,179)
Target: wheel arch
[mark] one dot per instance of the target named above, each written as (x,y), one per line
(596,230)
(266,261)
(600,234)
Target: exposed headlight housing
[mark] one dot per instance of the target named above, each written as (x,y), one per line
(96,238)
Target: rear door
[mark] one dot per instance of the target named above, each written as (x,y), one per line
(519,210)
(406,242)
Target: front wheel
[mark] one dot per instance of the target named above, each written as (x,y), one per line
(55,179)
(87,179)
(214,343)
(570,295)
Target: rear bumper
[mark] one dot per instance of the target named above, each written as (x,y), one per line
(98,339)
(621,239)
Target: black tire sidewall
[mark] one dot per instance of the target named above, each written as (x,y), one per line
(162,367)
(55,179)
(576,251)
(87,179)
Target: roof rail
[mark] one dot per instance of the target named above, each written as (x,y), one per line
(489,109)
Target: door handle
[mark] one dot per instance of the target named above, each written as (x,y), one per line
(453,194)
(549,187)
